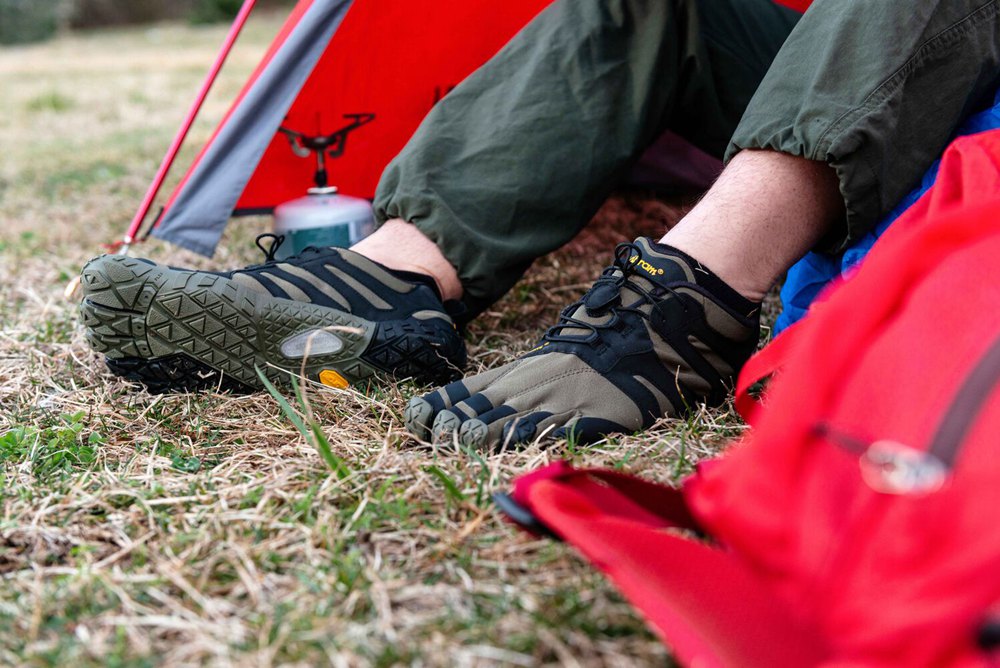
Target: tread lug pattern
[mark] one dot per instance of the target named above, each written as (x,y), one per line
(177,330)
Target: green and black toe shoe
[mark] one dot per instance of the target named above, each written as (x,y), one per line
(657,335)
(331,314)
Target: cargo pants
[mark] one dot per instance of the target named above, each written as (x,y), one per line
(514,162)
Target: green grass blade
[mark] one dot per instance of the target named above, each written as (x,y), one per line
(322,445)
(286,408)
(450,488)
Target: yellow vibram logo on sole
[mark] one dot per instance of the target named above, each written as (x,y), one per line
(331,378)
(645,266)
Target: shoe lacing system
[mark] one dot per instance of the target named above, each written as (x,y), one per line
(604,298)
(271,251)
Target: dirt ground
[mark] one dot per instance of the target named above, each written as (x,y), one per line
(205,529)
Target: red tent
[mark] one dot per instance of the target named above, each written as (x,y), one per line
(379,66)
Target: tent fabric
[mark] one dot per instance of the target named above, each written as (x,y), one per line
(198,213)
(398,79)
(809,276)
(392,58)
(332,59)
(286,29)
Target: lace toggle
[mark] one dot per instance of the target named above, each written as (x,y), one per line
(602,298)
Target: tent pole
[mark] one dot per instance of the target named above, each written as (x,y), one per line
(175,146)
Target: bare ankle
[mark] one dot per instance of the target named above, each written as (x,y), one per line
(400,245)
(747,283)
(764,213)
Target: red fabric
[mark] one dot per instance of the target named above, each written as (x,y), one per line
(702,602)
(881,358)
(393,58)
(758,368)
(618,494)
(797,5)
(862,577)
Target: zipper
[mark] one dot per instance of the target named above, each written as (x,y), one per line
(968,404)
(891,468)
(896,468)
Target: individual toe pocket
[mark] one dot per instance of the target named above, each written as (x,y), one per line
(445,425)
(505,427)
(422,412)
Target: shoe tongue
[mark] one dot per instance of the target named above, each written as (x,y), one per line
(652,265)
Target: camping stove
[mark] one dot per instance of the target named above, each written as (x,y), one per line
(323,217)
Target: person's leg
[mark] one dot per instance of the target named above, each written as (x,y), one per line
(878,112)
(733,229)
(400,245)
(766,210)
(669,326)
(861,99)
(514,161)
(875,89)
(507,167)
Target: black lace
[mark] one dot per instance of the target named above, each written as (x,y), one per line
(270,251)
(613,280)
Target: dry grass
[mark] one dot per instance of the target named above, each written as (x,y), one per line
(141,530)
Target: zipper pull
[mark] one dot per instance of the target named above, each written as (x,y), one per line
(891,467)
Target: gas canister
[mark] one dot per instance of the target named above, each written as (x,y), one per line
(322,218)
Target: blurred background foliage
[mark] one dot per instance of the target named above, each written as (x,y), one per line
(25,21)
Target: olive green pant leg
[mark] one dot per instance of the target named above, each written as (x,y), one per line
(515,160)
(876,89)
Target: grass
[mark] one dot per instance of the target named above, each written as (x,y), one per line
(295,528)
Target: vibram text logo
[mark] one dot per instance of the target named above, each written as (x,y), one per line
(537,348)
(645,266)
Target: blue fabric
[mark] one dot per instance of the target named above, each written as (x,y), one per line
(812,273)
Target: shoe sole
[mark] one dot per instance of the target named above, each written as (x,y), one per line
(176,330)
